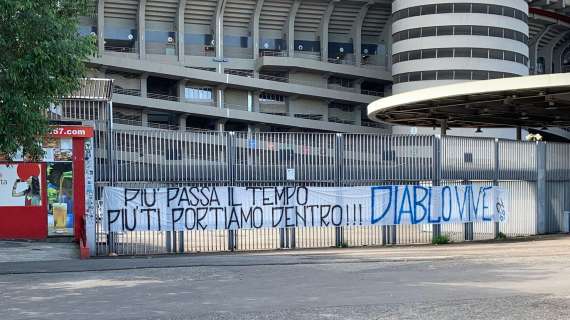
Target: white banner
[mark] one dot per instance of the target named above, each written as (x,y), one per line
(232,208)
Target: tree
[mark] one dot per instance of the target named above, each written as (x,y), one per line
(42,58)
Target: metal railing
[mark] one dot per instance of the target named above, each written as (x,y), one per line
(372,93)
(129,92)
(267,53)
(308,55)
(166,158)
(121,49)
(349,60)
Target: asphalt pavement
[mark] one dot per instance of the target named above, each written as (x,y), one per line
(505,280)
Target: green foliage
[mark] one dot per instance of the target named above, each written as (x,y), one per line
(42,58)
(441,239)
(342,245)
(501,236)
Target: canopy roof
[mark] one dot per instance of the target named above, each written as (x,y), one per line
(531,101)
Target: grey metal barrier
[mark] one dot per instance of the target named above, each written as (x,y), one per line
(156,158)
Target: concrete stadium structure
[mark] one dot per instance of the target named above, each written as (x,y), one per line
(297,65)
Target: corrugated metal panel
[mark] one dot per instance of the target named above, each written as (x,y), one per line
(517,160)
(557,161)
(468,158)
(381,158)
(523,206)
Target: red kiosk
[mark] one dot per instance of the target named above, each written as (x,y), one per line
(48,198)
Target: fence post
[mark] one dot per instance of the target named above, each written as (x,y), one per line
(496,179)
(339,157)
(231,157)
(111,237)
(436,176)
(541,209)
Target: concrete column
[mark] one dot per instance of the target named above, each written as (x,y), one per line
(144,119)
(220,125)
(290,28)
(357,115)
(325,31)
(357,34)
(182,90)
(255,101)
(255,28)
(180,29)
(100,27)
(144,85)
(358,85)
(558,56)
(219,30)
(386,38)
(182,122)
(548,52)
(141,29)
(220,97)
(533,49)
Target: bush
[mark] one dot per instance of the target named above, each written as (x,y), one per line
(441,239)
(342,245)
(501,236)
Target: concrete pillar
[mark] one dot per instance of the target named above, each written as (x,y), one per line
(255,107)
(182,122)
(255,28)
(558,56)
(357,115)
(182,90)
(141,29)
(144,85)
(144,119)
(219,31)
(358,85)
(291,28)
(357,34)
(100,26)
(220,125)
(325,31)
(548,52)
(180,29)
(533,49)
(220,101)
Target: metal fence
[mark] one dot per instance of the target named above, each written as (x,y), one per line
(536,174)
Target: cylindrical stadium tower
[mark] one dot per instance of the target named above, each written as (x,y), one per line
(437,42)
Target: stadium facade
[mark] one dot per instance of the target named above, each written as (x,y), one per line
(309,65)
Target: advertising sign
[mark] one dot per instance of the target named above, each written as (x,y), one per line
(20,185)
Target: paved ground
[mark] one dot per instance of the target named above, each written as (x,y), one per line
(15,251)
(522,280)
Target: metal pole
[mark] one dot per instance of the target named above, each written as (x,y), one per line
(541,188)
(231,149)
(339,146)
(436,176)
(496,176)
(437,168)
(110,167)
